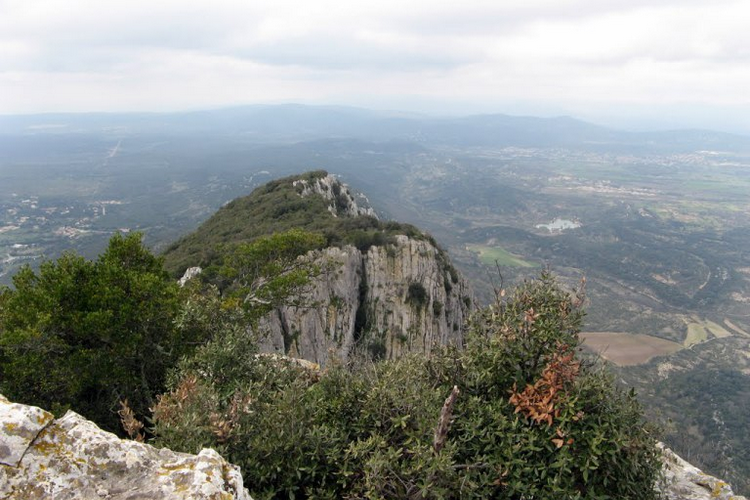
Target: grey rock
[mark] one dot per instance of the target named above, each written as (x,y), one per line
(71,458)
(190,273)
(325,325)
(342,201)
(683,481)
(367,297)
(414,301)
(20,426)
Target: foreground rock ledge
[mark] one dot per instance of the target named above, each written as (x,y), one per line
(683,481)
(71,458)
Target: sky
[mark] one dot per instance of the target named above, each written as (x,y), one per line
(627,63)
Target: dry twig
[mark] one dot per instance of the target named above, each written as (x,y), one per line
(444,423)
(131,424)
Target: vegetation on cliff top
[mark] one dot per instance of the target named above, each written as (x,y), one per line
(276,207)
(524,418)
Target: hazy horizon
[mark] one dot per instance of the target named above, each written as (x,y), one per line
(645,65)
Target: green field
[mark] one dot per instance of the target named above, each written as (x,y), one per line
(698,330)
(490,255)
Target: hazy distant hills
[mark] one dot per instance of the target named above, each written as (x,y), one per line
(293,122)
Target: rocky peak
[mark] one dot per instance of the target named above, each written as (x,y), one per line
(390,288)
(342,201)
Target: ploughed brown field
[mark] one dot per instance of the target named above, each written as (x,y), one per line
(627,349)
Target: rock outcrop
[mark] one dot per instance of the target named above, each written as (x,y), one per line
(190,273)
(387,288)
(391,299)
(683,481)
(71,458)
(342,201)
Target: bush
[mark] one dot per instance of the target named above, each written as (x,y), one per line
(86,335)
(529,419)
(437,307)
(416,295)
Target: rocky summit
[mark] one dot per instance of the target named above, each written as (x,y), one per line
(386,287)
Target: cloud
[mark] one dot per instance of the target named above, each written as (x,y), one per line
(137,54)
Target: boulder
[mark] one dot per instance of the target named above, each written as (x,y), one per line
(190,273)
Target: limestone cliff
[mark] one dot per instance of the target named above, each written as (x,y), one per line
(71,458)
(391,299)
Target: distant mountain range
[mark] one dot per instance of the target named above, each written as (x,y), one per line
(295,122)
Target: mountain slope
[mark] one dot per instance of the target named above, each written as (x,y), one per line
(281,205)
(386,288)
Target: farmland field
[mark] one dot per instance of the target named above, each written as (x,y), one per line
(489,255)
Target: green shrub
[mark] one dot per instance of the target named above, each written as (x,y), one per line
(530,419)
(85,335)
(416,295)
(437,307)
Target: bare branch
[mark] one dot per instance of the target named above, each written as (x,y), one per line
(444,423)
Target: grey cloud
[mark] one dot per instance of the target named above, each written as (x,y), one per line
(489,49)
(500,17)
(334,53)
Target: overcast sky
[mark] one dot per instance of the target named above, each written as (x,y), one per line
(624,62)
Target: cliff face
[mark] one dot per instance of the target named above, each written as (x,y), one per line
(387,288)
(391,299)
(414,299)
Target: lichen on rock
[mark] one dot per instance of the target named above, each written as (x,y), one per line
(683,481)
(20,425)
(71,458)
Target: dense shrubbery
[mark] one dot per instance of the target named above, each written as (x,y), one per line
(530,420)
(88,335)
(525,419)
